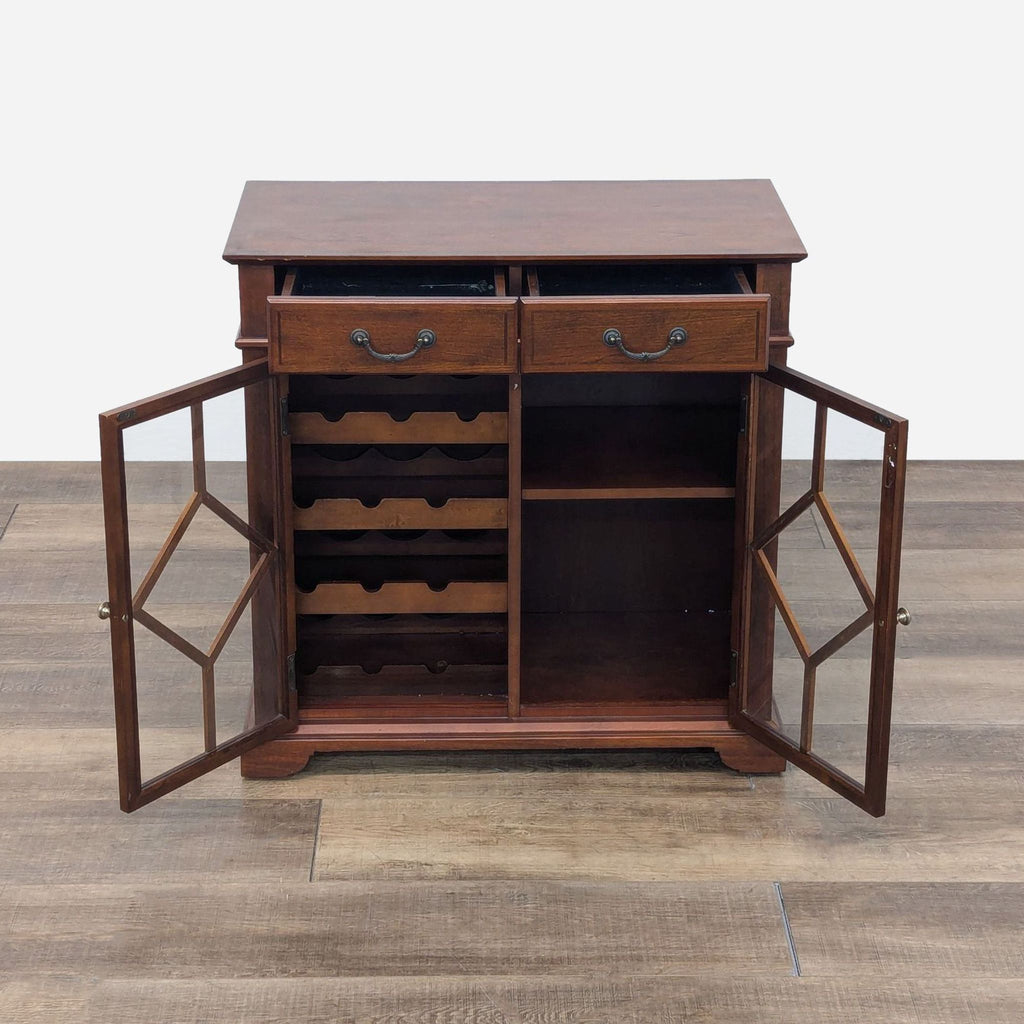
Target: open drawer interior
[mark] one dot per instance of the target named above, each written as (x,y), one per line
(426,280)
(572,279)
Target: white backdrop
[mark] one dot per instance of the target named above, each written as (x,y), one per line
(891,131)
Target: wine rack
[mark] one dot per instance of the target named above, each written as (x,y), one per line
(399,543)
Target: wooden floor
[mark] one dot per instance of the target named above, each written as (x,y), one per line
(614,887)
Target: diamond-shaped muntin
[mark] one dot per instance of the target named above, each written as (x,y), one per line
(196,501)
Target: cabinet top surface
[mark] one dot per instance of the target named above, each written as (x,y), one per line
(510,221)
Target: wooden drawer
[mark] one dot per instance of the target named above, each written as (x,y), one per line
(372,327)
(609,332)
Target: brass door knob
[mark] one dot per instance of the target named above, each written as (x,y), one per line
(903,616)
(104,610)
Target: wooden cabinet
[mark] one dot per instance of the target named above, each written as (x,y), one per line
(515,480)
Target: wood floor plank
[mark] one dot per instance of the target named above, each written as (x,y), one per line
(73,482)
(40,526)
(927,480)
(583,833)
(382,929)
(980,765)
(892,930)
(955,629)
(76,763)
(38,577)
(927,690)
(606,999)
(950,575)
(47,633)
(92,841)
(66,695)
(6,514)
(50,481)
(947,480)
(939,525)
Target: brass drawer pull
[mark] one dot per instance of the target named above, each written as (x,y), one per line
(361,339)
(613,339)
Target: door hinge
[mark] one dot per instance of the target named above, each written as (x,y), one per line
(290,668)
(734,667)
(744,404)
(284,416)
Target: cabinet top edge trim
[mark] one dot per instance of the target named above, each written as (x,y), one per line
(511,222)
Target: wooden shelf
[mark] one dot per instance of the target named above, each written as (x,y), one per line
(403,514)
(628,452)
(422,472)
(440,644)
(398,712)
(399,682)
(402,598)
(373,572)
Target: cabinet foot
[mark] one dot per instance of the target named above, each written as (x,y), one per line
(274,760)
(748,756)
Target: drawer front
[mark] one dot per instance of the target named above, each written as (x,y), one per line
(315,335)
(722,333)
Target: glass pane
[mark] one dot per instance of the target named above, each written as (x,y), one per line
(797,442)
(203,583)
(787,683)
(813,582)
(853,476)
(169,695)
(158,475)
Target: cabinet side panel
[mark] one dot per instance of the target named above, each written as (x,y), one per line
(255,283)
(774,279)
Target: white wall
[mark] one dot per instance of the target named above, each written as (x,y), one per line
(892,133)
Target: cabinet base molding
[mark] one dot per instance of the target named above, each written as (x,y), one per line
(290,754)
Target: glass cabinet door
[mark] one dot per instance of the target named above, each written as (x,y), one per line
(823,514)
(191,496)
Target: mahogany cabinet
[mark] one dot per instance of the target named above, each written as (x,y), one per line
(515,480)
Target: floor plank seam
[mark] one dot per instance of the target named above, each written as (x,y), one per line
(316,838)
(817,529)
(790,941)
(3,529)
